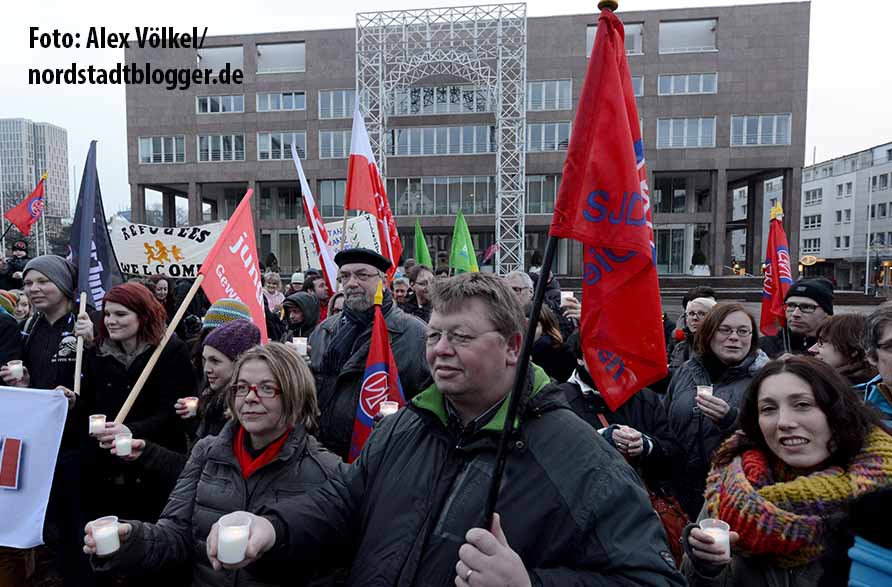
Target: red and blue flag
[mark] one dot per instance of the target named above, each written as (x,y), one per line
(604,203)
(380,382)
(778,276)
(28,212)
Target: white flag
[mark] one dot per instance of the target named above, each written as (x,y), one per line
(31,424)
(320,233)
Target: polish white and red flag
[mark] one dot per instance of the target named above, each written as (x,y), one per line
(317,227)
(365,191)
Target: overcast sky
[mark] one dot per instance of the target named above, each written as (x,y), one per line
(848,99)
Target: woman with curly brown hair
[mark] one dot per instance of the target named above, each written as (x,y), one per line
(807,449)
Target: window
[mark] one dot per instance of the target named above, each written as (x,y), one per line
(221,148)
(884,181)
(888,154)
(334,144)
(881,210)
(873,183)
(277,145)
(281,58)
(541,193)
(811,222)
(418,196)
(848,214)
(837,242)
(281,101)
(638,85)
(452,99)
(162,149)
(336,103)
(549,95)
(679,133)
(331,197)
(440,140)
(633,34)
(878,239)
(839,190)
(846,240)
(839,216)
(811,245)
(217,58)
(687,36)
(814,196)
(215,104)
(848,188)
(548,136)
(765,129)
(687,83)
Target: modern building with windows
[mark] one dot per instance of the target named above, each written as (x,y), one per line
(27,150)
(837,232)
(721,95)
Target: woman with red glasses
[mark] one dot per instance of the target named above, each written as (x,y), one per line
(264,453)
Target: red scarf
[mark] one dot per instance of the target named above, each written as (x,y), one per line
(250,465)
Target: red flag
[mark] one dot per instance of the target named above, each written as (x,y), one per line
(380,382)
(365,191)
(604,203)
(778,276)
(29,210)
(231,268)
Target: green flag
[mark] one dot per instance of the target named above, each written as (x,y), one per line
(462,259)
(422,254)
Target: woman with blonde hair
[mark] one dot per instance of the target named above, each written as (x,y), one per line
(265,452)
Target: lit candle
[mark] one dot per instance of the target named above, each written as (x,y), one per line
(123,443)
(191,404)
(300,343)
(232,543)
(704,390)
(97,424)
(719,531)
(105,533)
(16,370)
(388,408)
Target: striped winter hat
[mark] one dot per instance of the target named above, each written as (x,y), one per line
(7,301)
(225,310)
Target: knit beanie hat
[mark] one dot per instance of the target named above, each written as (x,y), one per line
(225,310)
(817,288)
(7,301)
(234,338)
(58,270)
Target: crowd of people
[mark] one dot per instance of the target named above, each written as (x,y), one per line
(784,439)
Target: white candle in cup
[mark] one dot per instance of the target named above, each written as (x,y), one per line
(387,408)
(566,295)
(704,390)
(105,533)
(300,343)
(123,443)
(191,404)
(232,539)
(97,424)
(719,531)
(16,369)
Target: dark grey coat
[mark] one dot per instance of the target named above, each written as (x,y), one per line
(210,486)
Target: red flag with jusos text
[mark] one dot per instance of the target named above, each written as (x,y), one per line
(604,203)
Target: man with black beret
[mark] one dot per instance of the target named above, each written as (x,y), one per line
(809,302)
(339,346)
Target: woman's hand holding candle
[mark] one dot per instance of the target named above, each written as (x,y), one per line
(107,437)
(137,445)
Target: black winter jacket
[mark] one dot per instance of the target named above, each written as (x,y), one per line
(773,346)
(210,486)
(570,506)
(339,393)
(308,304)
(692,436)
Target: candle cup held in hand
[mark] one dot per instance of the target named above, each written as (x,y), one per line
(387,408)
(105,533)
(191,404)
(704,390)
(123,444)
(16,369)
(718,531)
(97,424)
(300,343)
(232,539)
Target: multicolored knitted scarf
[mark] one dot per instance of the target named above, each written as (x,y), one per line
(785,520)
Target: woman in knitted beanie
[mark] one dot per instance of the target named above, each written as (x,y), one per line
(806,450)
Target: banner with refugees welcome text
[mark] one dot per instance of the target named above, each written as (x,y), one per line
(174,251)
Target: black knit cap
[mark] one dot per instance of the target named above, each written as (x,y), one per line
(360,255)
(817,288)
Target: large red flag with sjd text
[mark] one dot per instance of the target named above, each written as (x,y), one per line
(604,203)
(778,277)
(29,210)
(231,269)
(380,382)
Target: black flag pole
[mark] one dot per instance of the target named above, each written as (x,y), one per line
(520,378)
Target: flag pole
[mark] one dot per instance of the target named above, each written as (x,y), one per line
(147,370)
(520,380)
(344,229)
(79,357)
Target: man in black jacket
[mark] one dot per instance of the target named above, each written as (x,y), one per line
(409,510)
(809,302)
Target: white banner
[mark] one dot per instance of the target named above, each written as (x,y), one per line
(361,232)
(177,252)
(31,423)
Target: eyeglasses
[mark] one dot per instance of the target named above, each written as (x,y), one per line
(742,332)
(264,390)
(456,339)
(695,314)
(362,276)
(804,308)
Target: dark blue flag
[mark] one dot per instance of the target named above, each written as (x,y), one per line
(91,249)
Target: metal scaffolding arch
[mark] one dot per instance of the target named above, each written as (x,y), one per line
(485,45)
